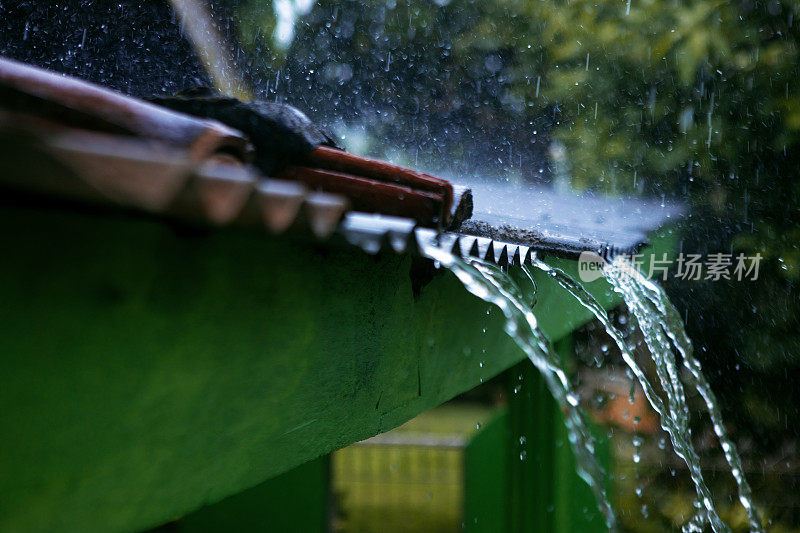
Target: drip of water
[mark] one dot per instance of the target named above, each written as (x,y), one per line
(673,327)
(673,415)
(494,286)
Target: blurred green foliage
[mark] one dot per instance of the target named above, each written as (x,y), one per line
(699,98)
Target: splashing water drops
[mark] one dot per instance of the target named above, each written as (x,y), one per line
(661,328)
(673,327)
(492,285)
(671,415)
(649,321)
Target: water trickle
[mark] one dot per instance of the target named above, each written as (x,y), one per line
(650,298)
(494,286)
(661,328)
(673,415)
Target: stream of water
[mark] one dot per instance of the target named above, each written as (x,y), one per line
(494,286)
(674,415)
(655,313)
(661,328)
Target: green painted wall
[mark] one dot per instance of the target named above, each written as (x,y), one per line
(147,369)
(296,501)
(486,478)
(520,470)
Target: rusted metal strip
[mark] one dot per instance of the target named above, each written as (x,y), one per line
(325,157)
(75,103)
(289,146)
(370,195)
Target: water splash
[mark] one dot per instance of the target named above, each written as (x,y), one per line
(674,414)
(661,328)
(494,286)
(651,297)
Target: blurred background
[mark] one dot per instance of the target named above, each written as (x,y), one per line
(697,102)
